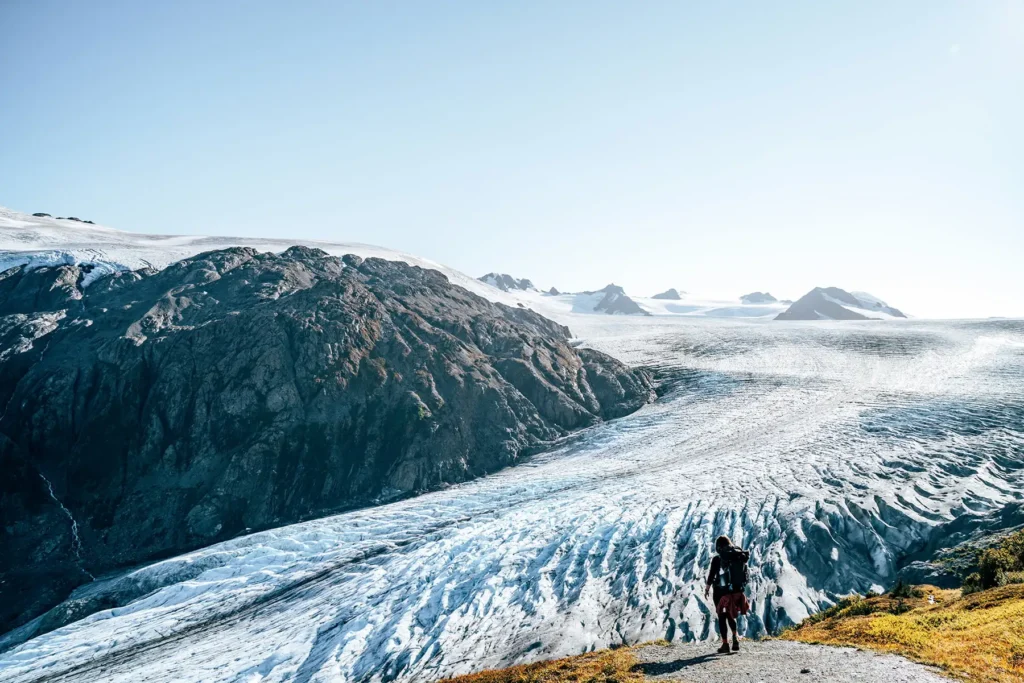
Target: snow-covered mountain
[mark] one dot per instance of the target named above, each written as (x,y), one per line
(506,282)
(44,241)
(668,294)
(758,298)
(613,300)
(562,306)
(832,303)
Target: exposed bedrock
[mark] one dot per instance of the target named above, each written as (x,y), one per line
(155,412)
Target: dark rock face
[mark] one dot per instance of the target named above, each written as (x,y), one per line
(758,298)
(42,215)
(155,412)
(615,301)
(506,282)
(671,294)
(553,292)
(829,303)
(918,573)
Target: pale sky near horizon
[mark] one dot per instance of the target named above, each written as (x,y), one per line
(712,147)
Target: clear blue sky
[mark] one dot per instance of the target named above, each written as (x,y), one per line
(720,147)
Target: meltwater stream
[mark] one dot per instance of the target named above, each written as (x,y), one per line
(830,450)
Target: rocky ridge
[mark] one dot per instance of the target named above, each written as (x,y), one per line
(506,282)
(153,412)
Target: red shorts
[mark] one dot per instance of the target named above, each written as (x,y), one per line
(733,605)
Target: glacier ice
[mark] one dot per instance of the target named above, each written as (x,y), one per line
(830,450)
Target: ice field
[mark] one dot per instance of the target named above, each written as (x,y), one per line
(831,450)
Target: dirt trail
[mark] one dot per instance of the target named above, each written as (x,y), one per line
(779,661)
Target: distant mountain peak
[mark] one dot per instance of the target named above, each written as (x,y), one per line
(833,303)
(506,282)
(671,294)
(616,302)
(758,298)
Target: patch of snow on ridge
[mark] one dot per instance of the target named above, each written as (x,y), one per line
(867,311)
(39,241)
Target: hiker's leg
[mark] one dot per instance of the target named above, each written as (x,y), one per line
(723,627)
(732,625)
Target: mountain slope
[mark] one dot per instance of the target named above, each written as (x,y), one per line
(157,411)
(832,303)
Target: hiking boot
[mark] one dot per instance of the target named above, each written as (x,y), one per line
(735,645)
(725,648)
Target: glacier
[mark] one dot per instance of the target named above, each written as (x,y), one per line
(833,451)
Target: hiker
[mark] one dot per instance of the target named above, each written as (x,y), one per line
(726,581)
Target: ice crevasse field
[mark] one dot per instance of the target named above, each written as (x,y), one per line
(832,450)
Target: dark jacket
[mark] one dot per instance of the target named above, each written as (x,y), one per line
(716,579)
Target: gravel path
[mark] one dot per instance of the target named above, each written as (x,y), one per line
(778,661)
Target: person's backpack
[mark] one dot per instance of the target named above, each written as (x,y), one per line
(734,568)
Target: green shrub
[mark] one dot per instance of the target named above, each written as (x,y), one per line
(1015,577)
(972,584)
(997,565)
(860,608)
(902,590)
(899,607)
(848,602)
(993,566)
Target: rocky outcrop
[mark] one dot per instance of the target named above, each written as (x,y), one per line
(553,292)
(506,282)
(832,303)
(41,215)
(758,298)
(616,302)
(154,412)
(670,294)
(67,218)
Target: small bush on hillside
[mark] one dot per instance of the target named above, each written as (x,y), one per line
(993,566)
(905,590)
(860,609)
(1017,656)
(899,607)
(972,584)
(832,611)
(850,606)
(1015,577)
(997,565)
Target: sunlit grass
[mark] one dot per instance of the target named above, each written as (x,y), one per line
(979,637)
(604,666)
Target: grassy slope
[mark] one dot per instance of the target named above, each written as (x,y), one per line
(604,666)
(978,637)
